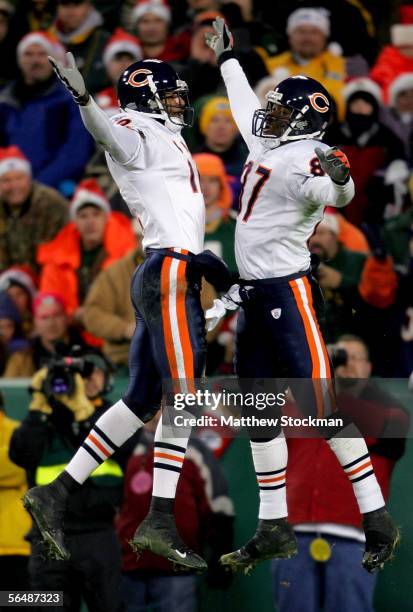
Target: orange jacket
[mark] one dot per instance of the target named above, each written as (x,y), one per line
(389,65)
(351,236)
(378,283)
(61,257)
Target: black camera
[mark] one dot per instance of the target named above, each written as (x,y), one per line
(338,356)
(62,367)
(61,372)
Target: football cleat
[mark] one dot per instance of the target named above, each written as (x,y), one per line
(273,538)
(158,533)
(47,507)
(382,538)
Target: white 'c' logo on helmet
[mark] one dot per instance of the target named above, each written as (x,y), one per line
(315,100)
(133,76)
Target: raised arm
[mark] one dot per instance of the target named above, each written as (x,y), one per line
(242,98)
(119,141)
(122,144)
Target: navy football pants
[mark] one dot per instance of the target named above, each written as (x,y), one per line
(278,336)
(169,341)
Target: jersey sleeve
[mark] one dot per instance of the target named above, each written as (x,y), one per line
(242,98)
(120,142)
(307,182)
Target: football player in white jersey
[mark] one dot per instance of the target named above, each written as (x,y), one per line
(288,179)
(157,178)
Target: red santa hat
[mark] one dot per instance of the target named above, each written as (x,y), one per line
(156,7)
(19,275)
(401,33)
(53,301)
(88,192)
(46,40)
(122,42)
(11,158)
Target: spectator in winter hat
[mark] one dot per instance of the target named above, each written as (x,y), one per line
(350,236)
(120,52)
(52,331)
(90,242)
(376,154)
(38,115)
(396,58)
(151,24)
(19,283)
(308,30)
(221,136)
(30,213)
(400,105)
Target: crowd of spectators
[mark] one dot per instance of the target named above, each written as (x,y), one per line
(64,224)
(68,244)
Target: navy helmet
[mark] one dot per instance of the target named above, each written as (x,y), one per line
(298,108)
(152,86)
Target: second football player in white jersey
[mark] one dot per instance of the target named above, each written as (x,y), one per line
(288,179)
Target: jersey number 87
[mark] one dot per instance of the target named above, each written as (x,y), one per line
(264,174)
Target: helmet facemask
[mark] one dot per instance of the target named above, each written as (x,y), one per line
(281,122)
(173,104)
(273,121)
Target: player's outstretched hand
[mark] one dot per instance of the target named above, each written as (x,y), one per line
(222,40)
(71,78)
(334,163)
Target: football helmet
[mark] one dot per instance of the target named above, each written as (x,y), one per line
(152,86)
(298,108)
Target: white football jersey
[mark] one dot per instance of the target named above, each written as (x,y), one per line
(283,193)
(158,178)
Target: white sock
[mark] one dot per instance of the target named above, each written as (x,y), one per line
(169,454)
(113,428)
(354,458)
(270,462)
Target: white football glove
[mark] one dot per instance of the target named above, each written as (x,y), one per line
(230,301)
(222,40)
(71,78)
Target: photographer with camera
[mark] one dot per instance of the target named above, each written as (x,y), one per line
(359,290)
(68,396)
(323,511)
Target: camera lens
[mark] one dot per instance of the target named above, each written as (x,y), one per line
(60,385)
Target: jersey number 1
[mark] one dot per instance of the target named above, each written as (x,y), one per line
(264,174)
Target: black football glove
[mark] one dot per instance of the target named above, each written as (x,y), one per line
(214,270)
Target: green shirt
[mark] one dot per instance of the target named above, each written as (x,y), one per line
(341,303)
(221,241)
